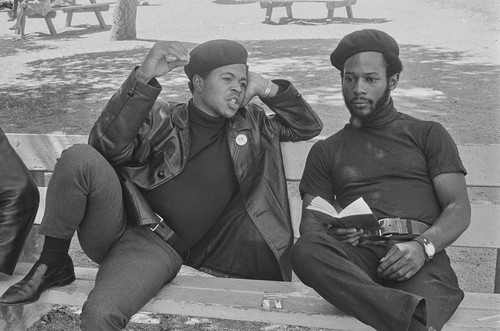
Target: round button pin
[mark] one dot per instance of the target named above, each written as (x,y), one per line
(241,139)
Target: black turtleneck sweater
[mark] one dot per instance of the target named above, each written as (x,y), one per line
(192,202)
(390,162)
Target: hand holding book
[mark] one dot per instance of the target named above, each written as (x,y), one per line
(356,215)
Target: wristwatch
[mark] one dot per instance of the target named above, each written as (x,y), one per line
(429,248)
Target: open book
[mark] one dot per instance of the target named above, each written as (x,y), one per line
(356,215)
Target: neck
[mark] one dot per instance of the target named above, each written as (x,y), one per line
(382,115)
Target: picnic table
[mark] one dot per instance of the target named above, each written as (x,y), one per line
(69,8)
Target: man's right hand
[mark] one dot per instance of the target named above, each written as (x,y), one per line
(346,235)
(161,59)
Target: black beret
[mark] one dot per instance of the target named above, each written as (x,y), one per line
(368,40)
(213,54)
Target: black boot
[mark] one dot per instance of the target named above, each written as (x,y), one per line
(39,279)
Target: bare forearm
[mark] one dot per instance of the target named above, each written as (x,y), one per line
(453,221)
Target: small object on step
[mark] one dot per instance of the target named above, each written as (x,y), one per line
(272,300)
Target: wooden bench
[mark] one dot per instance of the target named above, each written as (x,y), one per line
(240,299)
(330,5)
(97,8)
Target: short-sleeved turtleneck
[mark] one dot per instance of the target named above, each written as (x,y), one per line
(192,201)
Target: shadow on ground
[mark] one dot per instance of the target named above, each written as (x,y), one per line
(67,94)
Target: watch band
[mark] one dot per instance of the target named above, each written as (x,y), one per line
(268,88)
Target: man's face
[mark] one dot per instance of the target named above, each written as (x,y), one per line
(364,85)
(221,93)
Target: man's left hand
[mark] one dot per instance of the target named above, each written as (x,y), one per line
(256,85)
(402,261)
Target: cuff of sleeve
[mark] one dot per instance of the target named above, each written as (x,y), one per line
(152,82)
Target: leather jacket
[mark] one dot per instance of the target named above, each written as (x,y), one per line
(147,141)
(19,200)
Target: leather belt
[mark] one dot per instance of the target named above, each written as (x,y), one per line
(400,226)
(171,238)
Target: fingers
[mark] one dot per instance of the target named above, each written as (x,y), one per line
(256,85)
(163,57)
(170,51)
(400,263)
(347,235)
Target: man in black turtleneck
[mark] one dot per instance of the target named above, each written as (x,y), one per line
(410,174)
(166,183)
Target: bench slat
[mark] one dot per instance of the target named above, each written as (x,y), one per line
(85,8)
(38,150)
(480,160)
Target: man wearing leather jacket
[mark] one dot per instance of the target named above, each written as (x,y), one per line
(161,184)
(18,205)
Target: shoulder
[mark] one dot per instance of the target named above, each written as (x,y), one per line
(420,126)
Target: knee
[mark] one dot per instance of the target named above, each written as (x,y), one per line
(101,316)
(78,156)
(303,251)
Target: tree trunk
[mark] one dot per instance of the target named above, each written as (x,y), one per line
(124,19)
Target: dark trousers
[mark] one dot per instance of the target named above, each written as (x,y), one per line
(346,276)
(84,195)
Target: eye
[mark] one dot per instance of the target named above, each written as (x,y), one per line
(243,85)
(348,79)
(371,79)
(227,79)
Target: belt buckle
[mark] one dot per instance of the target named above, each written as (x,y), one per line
(391,232)
(381,223)
(157,224)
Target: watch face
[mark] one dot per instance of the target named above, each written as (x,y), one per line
(429,248)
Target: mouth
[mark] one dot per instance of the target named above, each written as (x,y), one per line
(360,102)
(234,102)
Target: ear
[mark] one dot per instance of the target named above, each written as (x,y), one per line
(393,81)
(198,83)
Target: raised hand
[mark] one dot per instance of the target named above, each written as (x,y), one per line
(161,59)
(257,86)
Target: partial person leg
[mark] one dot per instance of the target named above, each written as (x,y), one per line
(84,194)
(346,276)
(438,284)
(14,10)
(19,16)
(136,268)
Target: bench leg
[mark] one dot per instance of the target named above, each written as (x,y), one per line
(269,12)
(98,14)
(50,25)
(289,10)
(330,7)
(349,11)
(69,18)
(16,318)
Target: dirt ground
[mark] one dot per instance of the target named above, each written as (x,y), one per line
(450,52)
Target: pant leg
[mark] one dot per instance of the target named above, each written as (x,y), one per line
(345,276)
(136,268)
(84,194)
(438,284)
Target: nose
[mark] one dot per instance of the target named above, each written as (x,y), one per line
(236,88)
(359,87)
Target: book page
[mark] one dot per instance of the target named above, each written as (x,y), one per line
(358,207)
(320,204)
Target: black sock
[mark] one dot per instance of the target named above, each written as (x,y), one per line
(55,251)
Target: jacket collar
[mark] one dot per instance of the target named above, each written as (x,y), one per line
(180,116)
